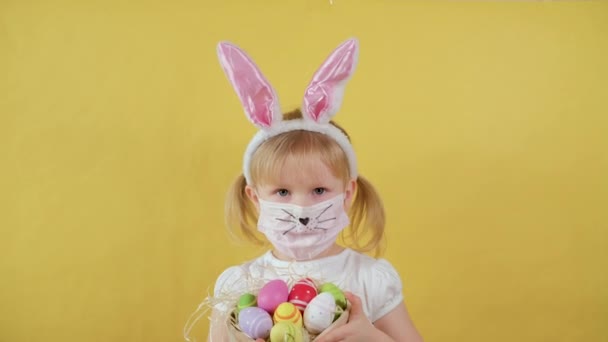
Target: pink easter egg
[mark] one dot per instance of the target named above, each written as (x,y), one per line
(255,322)
(272,294)
(302,292)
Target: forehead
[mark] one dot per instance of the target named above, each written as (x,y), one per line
(300,171)
(298,156)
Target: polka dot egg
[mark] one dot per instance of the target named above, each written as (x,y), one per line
(302,293)
(320,313)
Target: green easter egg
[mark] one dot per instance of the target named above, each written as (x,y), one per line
(245,301)
(335,292)
(286,332)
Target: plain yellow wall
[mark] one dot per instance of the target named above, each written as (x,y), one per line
(483,125)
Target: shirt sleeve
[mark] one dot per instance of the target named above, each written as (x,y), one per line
(228,285)
(387,289)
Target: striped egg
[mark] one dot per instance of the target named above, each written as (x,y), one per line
(245,301)
(302,292)
(287,312)
(255,322)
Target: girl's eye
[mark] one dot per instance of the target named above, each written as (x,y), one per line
(319,191)
(282,192)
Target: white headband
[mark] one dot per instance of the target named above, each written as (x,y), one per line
(322,98)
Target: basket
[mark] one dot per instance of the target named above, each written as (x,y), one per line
(235,334)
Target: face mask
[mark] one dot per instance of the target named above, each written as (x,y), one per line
(302,233)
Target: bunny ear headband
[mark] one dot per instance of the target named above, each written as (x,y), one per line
(322,99)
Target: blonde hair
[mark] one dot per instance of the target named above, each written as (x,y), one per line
(366,231)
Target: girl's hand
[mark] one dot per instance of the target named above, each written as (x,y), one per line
(358,328)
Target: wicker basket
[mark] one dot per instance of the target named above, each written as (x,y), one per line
(235,334)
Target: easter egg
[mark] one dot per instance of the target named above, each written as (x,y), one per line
(336,292)
(255,322)
(320,313)
(302,292)
(287,312)
(272,294)
(246,300)
(286,332)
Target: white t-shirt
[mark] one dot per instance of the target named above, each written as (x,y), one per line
(375,281)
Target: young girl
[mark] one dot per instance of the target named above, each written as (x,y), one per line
(299,181)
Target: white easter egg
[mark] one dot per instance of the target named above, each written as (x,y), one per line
(320,313)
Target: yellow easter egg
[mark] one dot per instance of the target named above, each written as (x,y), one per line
(287,312)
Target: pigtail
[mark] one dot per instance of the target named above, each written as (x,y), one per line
(368,219)
(241,215)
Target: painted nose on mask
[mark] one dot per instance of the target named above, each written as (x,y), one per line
(278,222)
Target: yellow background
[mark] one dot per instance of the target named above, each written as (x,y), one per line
(483,125)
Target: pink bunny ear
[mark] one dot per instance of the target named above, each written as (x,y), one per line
(323,96)
(255,92)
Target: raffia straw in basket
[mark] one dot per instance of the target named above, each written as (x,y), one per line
(236,335)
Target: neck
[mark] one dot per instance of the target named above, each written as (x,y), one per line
(334,249)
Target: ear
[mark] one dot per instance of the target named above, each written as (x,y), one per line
(323,96)
(253,197)
(349,192)
(257,96)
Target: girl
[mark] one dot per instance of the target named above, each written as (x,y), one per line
(299,182)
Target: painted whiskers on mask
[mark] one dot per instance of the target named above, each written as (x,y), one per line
(303,232)
(304,221)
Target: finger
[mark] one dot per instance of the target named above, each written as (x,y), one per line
(356,308)
(335,335)
(356,313)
